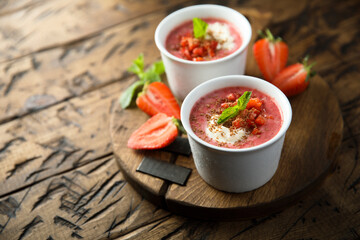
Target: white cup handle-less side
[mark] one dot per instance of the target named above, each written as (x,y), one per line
(183,77)
(234,173)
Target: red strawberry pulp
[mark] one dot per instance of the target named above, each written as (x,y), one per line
(177,45)
(266,127)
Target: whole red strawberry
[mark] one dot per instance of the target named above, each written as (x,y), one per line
(271,55)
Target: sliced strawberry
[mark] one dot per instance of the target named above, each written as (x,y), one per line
(294,79)
(157,98)
(271,55)
(157,132)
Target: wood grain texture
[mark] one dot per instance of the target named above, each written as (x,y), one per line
(32,29)
(42,79)
(327,30)
(76,204)
(62,138)
(8,7)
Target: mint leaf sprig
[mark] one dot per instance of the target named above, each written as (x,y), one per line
(152,74)
(231,112)
(199,27)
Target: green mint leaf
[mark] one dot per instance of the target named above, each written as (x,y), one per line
(150,77)
(231,112)
(154,72)
(158,67)
(138,65)
(243,100)
(228,113)
(130,93)
(199,27)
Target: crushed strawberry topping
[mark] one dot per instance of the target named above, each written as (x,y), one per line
(197,49)
(250,118)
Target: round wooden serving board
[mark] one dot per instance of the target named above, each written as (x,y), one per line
(308,154)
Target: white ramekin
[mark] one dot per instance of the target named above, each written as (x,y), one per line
(184,75)
(236,170)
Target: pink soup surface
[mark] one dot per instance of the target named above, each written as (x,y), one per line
(174,38)
(210,104)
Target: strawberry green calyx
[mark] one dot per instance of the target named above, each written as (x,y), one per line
(269,36)
(307,68)
(179,125)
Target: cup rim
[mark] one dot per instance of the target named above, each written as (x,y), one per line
(242,48)
(279,95)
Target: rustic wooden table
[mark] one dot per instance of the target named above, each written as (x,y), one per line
(62,68)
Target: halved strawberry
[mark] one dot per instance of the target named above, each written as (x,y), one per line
(294,79)
(157,132)
(157,98)
(271,55)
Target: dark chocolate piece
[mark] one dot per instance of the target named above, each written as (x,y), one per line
(164,170)
(179,146)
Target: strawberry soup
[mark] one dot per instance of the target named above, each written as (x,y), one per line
(260,121)
(220,40)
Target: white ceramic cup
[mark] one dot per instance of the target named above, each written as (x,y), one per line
(184,75)
(236,170)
